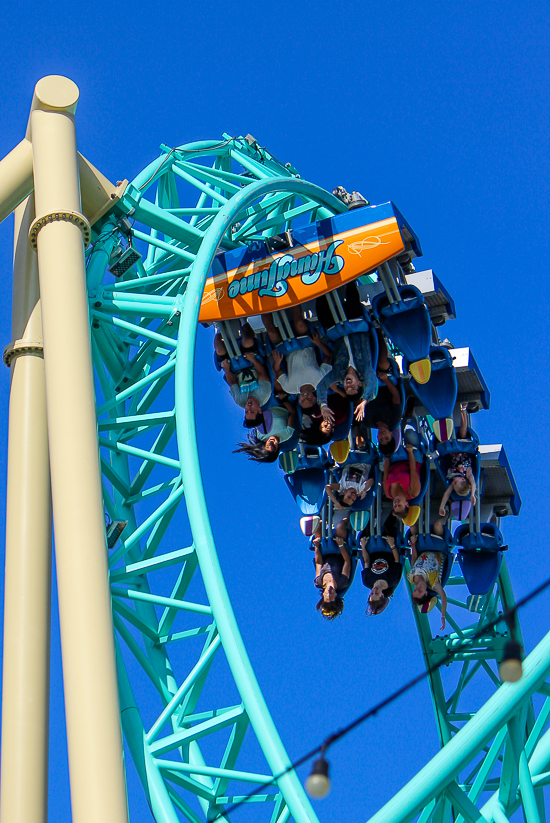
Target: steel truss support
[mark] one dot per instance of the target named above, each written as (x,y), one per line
(490,723)
(191,756)
(494,746)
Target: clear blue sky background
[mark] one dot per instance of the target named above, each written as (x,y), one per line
(442,108)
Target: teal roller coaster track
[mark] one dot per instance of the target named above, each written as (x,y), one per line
(494,758)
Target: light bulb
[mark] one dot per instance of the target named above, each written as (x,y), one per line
(318,783)
(511,669)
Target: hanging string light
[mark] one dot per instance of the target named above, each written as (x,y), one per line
(318,782)
(511,668)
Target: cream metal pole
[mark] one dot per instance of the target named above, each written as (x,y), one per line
(26,669)
(15,178)
(98,791)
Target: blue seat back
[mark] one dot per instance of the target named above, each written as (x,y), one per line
(400,455)
(480,570)
(295,343)
(468,446)
(342,327)
(240,363)
(377,543)
(367,455)
(434,543)
(313,457)
(307,487)
(406,322)
(359,324)
(488,539)
(438,395)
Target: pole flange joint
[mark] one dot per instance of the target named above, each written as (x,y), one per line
(69,216)
(19,347)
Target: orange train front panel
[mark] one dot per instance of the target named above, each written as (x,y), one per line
(324,255)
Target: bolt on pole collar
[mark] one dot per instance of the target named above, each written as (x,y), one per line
(68,216)
(19,347)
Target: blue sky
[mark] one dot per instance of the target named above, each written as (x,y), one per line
(441,108)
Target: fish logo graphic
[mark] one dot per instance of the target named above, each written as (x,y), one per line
(213,294)
(366,243)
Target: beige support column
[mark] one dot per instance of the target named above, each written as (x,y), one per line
(25,709)
(98,791)
(15,178)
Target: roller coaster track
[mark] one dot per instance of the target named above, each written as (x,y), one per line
(144,336)
(188,751)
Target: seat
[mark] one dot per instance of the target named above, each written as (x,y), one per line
(407,323)
(488,539)
(480,556)
(231,335)
(341,324)
(480,570)
(377,543)
(313,457)
(307,487)
(289,342)
(469,444)
(438,395)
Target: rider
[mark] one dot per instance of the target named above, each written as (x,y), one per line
(352,357)
(332,576)
(381,574)
(251,401)
(384,412)
(265,440)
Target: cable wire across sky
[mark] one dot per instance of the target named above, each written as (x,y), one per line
(506,616)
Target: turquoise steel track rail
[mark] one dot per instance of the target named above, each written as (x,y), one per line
(143,334)
(144,328)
